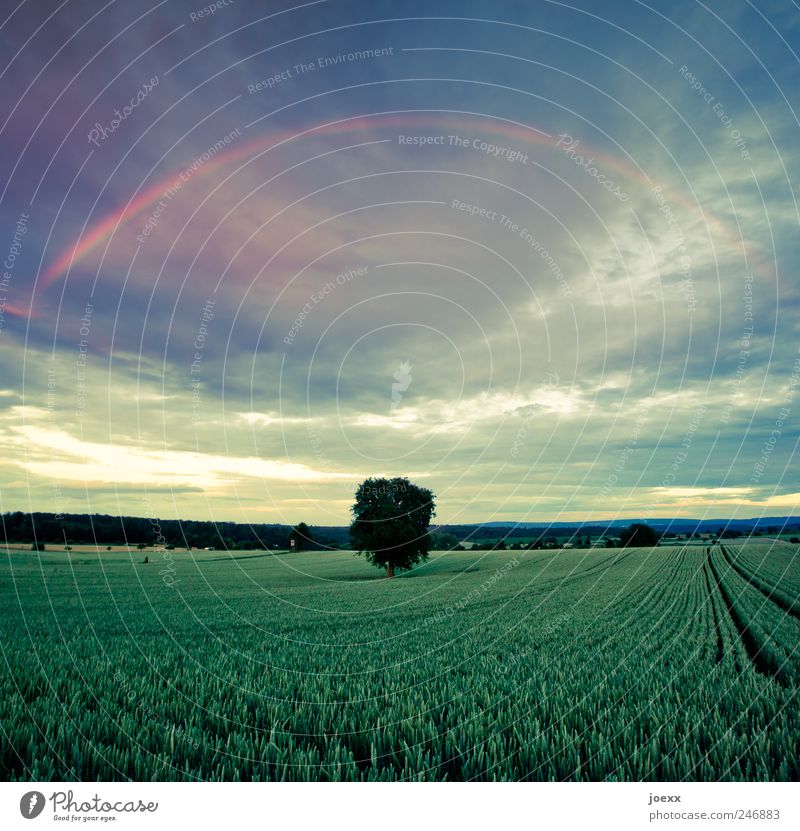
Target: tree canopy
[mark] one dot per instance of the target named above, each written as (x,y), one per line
(391,520)
(442,541)
(639,535)
(301,536)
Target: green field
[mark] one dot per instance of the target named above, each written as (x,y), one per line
(618,664)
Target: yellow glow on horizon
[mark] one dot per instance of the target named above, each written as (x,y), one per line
(125,464)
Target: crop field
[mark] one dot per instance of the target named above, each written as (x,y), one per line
(607,664)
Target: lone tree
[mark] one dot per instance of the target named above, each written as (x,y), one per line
(391,523)
(301,534)
(639,535)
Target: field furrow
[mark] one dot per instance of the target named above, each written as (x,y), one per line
(768,588)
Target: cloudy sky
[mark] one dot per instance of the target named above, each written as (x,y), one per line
(540,257)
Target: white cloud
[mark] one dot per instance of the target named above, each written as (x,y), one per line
(84,461)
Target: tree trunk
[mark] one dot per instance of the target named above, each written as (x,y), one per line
(390,569)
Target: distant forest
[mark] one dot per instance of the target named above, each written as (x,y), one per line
(102,529)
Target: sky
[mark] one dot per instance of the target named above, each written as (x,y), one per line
(539,257)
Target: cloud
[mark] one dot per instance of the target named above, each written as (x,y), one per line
(557,335)
(84,461)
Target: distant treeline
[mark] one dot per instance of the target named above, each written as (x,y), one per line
(494,532)
(101,529)
(720,528)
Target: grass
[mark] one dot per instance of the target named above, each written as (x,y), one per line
(604,664)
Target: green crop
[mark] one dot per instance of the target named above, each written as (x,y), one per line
(606,664)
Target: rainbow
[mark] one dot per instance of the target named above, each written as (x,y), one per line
(104,229)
